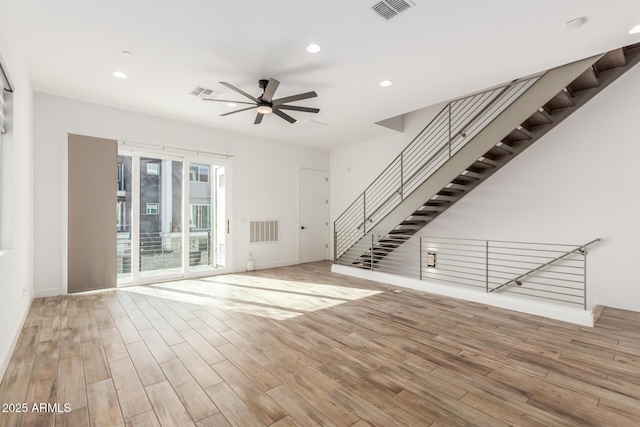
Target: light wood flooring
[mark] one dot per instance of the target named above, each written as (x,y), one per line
(302,346)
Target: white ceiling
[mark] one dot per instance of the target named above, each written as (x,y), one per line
(434,51)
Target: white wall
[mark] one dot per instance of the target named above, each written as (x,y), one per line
(577,183)
(16,194)
(264,178)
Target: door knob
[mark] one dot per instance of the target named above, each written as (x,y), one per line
(303,227)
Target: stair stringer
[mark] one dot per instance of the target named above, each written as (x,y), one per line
(547,86)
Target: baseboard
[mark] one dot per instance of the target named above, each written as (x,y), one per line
(550,310)
(12,347)
(51,292)
(275,264)
(597,311)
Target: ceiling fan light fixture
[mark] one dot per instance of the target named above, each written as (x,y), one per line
(264,109)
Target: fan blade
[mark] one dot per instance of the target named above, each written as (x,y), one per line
(223,100)
(284,116)
(241,92)
(237,111)
(293,98)
(258,119)
(296,108)
(270,90)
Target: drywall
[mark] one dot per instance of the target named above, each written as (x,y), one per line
(15,200)
(575,184)
(264,178)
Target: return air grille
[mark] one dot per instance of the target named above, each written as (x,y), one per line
(388,9)
(264,231)
(204,92)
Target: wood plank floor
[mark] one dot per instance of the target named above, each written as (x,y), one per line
(302,346)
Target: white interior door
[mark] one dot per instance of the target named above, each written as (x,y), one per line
(314,214)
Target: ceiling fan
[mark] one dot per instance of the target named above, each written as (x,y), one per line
(265,104)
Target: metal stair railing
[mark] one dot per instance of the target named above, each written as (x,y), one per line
(455,125)
(548,271)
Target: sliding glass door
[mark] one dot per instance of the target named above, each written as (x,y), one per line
(172,217)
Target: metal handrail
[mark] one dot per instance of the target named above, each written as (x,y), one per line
(429,150)
(517,281)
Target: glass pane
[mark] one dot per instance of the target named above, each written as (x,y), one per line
(203,230)
(123,218)
(160,215)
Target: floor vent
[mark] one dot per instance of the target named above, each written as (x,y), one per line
(264,231)
(204,92)
(388,9)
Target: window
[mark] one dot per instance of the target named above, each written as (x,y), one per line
(153,208)
(121,176)
(121,221)
(200,218)
(3,128)
(4,86)
(153,168)
(199,173)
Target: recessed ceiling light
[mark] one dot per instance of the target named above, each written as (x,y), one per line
(635,30)
(386,83)
(120,75)
(314,48)
(232,104)
(574,24)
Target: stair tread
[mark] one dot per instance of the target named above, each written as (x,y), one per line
(611,60)
(586,80)
(562,100)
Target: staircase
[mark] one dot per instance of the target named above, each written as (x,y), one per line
(468,141)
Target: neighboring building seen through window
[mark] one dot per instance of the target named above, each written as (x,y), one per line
(199,173)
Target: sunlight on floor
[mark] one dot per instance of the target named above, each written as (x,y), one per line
(266,297)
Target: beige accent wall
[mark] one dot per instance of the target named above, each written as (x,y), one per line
(92,213)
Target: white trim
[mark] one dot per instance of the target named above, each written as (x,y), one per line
(14,342)
(550,310)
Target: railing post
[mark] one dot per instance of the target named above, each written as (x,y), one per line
(371,251)
(450,130)
(486,254)
(584,277)
(420,249)
(402,175)
(335,244)
(364,213)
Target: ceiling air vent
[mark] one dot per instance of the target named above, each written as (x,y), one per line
(205,92)
(390,8)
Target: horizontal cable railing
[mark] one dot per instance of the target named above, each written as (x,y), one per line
(163,251)
(444,136)
(555,272)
